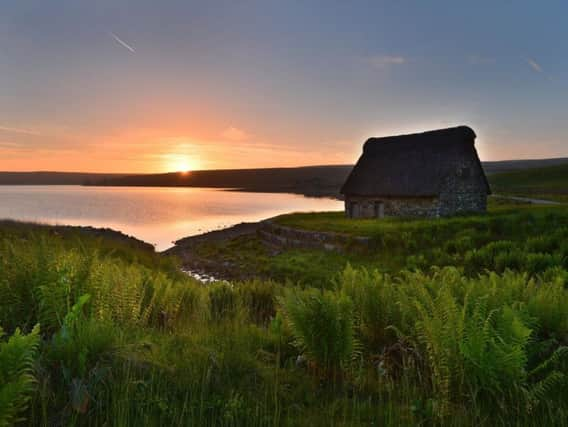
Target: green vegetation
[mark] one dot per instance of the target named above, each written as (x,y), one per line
(86,239)
(16,372)
(464,242)
(248,257)
(550,183)
(454,322)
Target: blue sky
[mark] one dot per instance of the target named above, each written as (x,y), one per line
(150,86)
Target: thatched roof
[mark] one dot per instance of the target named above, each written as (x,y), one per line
(413,165)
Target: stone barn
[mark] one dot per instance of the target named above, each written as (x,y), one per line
(429,174)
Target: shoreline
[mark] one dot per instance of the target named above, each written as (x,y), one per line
(104,232)
(207,269)
(195,262)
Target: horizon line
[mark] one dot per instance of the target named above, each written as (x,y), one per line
(252,168)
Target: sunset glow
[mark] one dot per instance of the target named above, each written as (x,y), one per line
(267,84)
(180,164)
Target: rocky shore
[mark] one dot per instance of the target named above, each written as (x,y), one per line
(205,268)
(239,252)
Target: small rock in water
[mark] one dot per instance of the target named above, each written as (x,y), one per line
(202,277)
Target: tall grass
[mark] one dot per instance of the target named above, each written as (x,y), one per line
(476,339)
(322,326)
(124,342)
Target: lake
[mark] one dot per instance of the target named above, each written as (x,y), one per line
(156,215)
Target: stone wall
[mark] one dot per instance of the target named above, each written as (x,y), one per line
(447,204)
(288,237)
(464,190)
(377,207)
(462,202)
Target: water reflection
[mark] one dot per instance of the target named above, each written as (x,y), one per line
(155,215)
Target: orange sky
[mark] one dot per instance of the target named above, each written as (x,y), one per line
(94,87)
(145,150)
(173,148)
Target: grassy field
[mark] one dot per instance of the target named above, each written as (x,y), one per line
(453,322)
(397,243)
(337,222)
(546,183)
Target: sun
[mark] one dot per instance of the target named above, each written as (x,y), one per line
(180,164)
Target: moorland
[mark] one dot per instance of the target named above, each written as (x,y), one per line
(458,322)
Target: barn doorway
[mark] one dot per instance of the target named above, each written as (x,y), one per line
(354,210)
(379,209)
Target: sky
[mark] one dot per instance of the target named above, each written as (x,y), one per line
(148,86)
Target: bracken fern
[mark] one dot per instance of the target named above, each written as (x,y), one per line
(17,356)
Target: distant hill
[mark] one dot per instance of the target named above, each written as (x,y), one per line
(308,180)
(512,165)
(53,178)
(551,181)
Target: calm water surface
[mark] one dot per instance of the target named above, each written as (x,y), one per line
(155,215)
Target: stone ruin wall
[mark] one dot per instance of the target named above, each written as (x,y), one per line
(369,207)
(288,237)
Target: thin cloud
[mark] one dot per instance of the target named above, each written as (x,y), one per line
(121,42)
(10,129)
(385,61)
(234,134)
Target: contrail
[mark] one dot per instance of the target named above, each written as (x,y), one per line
(535,65)
(122,42)
(537,68)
